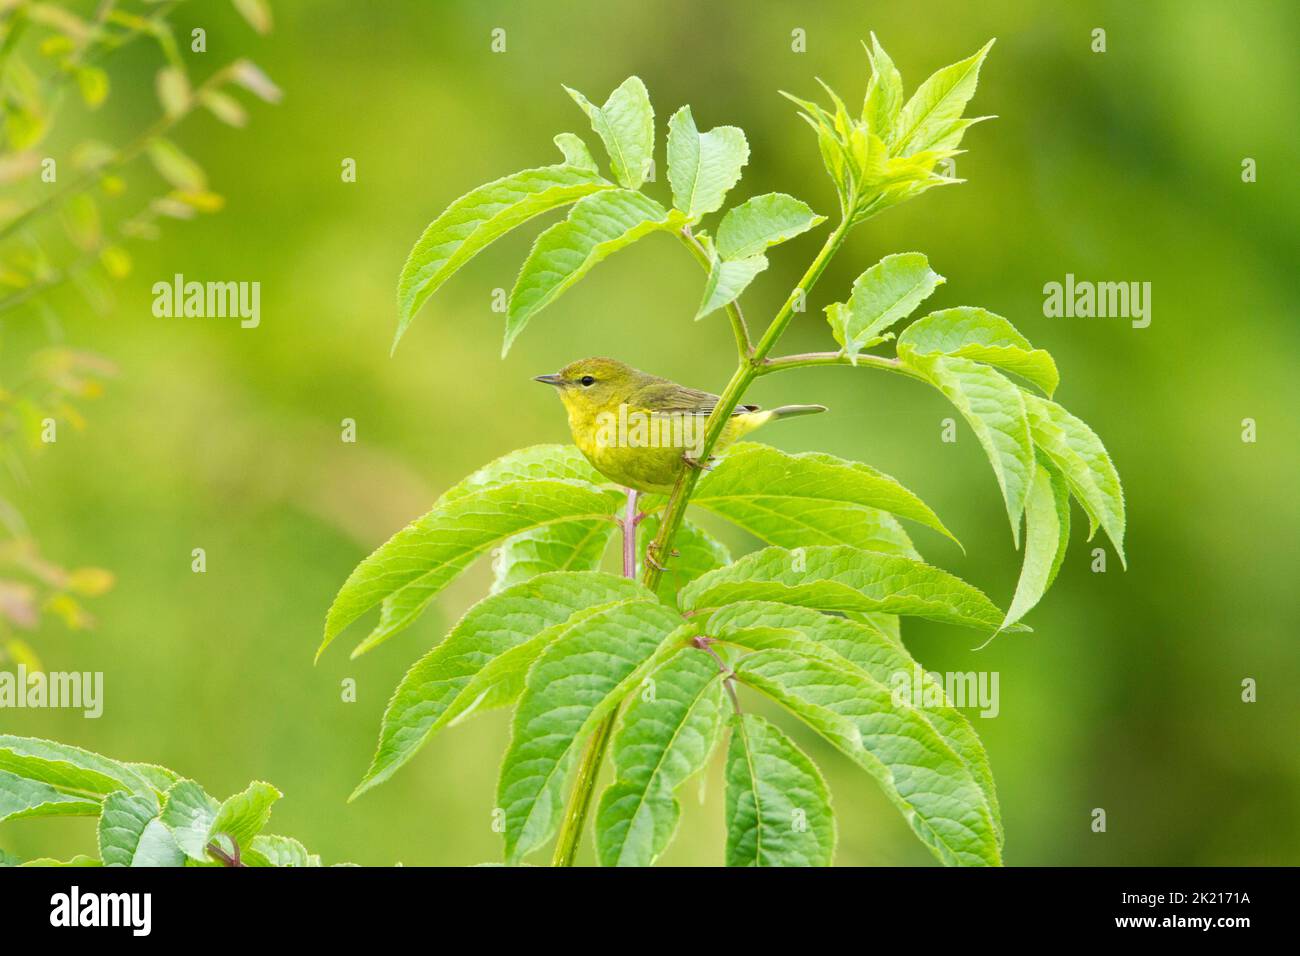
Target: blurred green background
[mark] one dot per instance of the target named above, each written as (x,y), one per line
(1122,166)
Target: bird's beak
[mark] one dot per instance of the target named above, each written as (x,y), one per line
(550,379)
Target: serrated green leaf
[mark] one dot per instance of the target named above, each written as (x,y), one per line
(157,847)
(533,463)
(576,682)
(576,152)
(243,816)
(878,653)
(703,167)
(995,410)
(884,93)
(121,825)
(1078,453)
(932,787)
(598,226)
(21,797)
(1047,532)
(425,697)
(483,215)
(626,125)
(761,222)
(430,552)
(79,860)
(842,578)
(67,768)
(937,103)
(666,735)
(270,850)
(188,812)
(810,499)
(778,807)
(572,546)
(727,279)
(982,336)
(882,296)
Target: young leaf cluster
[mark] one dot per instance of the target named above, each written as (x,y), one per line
(148,815)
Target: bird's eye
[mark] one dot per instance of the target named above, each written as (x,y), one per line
(587,381)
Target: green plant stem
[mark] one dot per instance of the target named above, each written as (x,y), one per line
(575,815)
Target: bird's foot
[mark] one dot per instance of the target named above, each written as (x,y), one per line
(697,464)
(650,559)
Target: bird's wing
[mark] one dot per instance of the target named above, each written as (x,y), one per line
(671,397)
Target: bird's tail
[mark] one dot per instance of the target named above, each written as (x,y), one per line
(793,411)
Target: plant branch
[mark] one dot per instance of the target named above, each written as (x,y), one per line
(813,359)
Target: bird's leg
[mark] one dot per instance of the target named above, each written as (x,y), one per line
(628,524)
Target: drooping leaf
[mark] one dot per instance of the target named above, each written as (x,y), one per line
(703,167)
(842,578)
(665,738)
(598,226)
(23,797)
(727,279)
(157,847)
(762,222)
(576,682)
(934,789)
(430,552)
(576,152)
(995,410)
(490,629)
(937,104)
(1078,453)
(1047,532)
(626,125)
(778,807)
(882,296)
(871,649)
(984,337)
(483,215)
(67,768)
(811,498)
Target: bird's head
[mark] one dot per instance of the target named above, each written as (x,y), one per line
(592,385)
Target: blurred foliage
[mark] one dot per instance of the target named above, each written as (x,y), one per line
(1117,166)
(70,227)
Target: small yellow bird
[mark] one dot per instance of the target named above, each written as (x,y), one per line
(641,430)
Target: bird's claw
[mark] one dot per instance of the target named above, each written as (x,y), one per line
(697,464)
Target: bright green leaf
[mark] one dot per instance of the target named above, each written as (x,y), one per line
(842,578)
(882,296)
(727,279)
(666,735)
(984,337)
(937,103)
(492,628)
(1078,453)
(995,410)
(884,93)
(21,797)
(761,222)
(188,812)
(576,682)
(811,498)
(626,125)
(483,215)
(598,226)
(243,816)
(703,167)
(778,807)
(1047,532)
(121,824)
(67,768)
